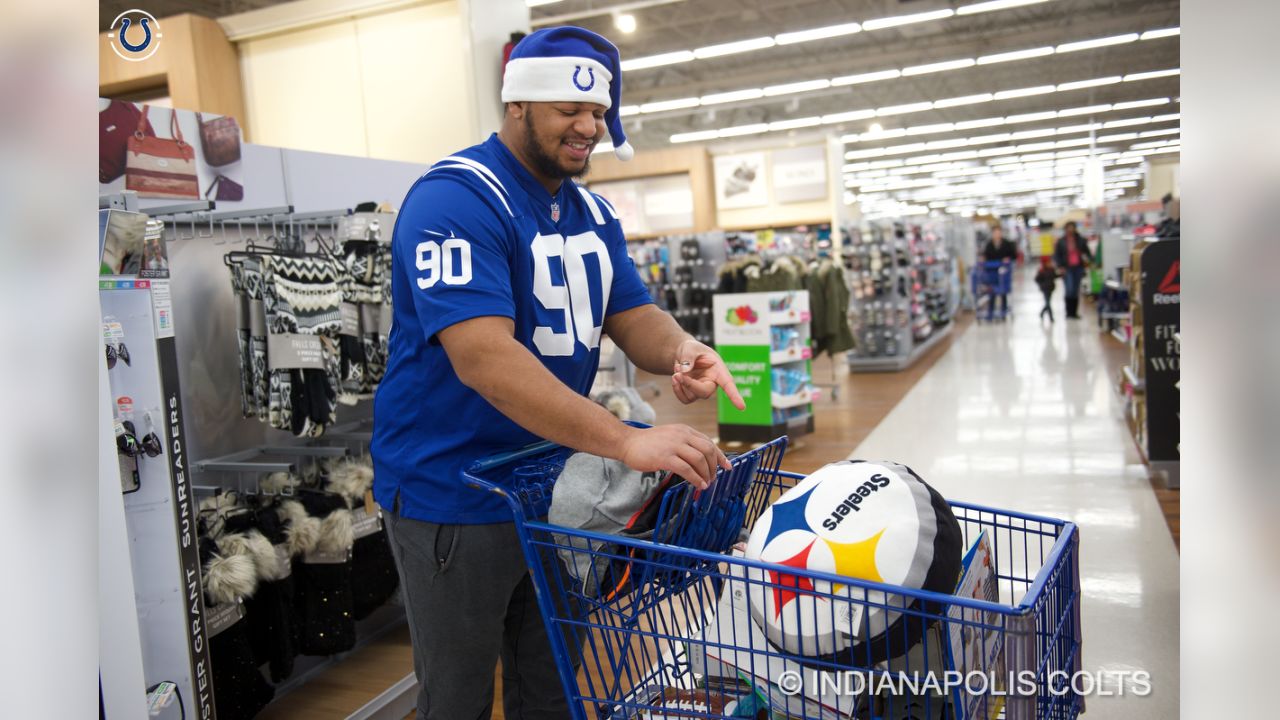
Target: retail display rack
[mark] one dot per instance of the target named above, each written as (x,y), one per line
(1150,379)
(680,272)
(764,339)
(903,294)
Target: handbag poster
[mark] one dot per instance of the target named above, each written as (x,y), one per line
(741,181)
(162,153)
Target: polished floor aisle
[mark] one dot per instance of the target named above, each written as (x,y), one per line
(1024,416)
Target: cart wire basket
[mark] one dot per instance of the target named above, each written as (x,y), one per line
(673,635)
(991,279)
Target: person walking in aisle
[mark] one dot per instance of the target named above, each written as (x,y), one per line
(1071,255)
(998,249)
(505,273)
(1046,278)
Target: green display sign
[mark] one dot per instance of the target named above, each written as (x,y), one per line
(749,365)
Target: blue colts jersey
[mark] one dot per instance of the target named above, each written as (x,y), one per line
(476,236)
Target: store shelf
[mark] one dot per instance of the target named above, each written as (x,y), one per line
(789,317)
(1132,378)
(898,362)
(780,357)
(803,397)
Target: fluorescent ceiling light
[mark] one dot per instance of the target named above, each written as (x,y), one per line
(1080,84)
(663,105)
(995,5)
(1152,102)
(1152,75)
(796,123)
(946,144)
(1118,138)
(1096,43)
(695,136)
(1127,123)
(938,67)
(1030,117)
(987,139)
(744,130)
(882,135)
(881,23)
(795,87)
(1166,118)
(731,48)
(1153,144)
(821,33)
(1076,142)
(732,96)
(1025,92)
(1158,133)
(1167,32)
(1087,110)
(628,110)
(965,100)
(930,129)
(652,61)
(904,109)
(866,77)
(1015,55)
(850,116)
(539,3)
(1071,129)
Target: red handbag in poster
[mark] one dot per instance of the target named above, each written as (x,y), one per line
(161,167)
(116,124)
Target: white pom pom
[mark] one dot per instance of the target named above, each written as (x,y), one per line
(624,152)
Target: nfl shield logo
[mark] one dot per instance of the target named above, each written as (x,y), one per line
(555,212)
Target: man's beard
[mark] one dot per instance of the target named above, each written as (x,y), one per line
(544,163)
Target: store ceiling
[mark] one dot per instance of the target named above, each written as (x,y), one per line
(955,33)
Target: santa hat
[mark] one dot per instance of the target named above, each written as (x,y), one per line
(569,64)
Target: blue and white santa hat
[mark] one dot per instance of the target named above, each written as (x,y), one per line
(569,64)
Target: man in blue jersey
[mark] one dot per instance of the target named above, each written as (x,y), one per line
(505,274)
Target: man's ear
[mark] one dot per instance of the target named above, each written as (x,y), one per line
(517,109)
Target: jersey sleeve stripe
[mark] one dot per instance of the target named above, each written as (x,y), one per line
(613,213)
(496,192)
(591,204)
(481,167)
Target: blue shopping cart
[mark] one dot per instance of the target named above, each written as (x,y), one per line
(647,649)
(992,280)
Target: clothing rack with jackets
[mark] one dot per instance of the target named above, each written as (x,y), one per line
(824,279)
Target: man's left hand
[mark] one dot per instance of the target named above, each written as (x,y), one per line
(698,372)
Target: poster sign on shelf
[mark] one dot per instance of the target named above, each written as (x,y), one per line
(740,181)
(159,152)
(800,174)
(650,205)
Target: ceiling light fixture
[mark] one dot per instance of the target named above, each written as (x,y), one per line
(995,5)
(1015,55)
(625,22)
(732,96)
(796,87)
(938,67)
(732,48)
(1152,75)
(1096,82)
(899,20)
(653,61)
(964,100)
(1167,32)
(866,77)
(1025,92)
(1096,43)
(822,33)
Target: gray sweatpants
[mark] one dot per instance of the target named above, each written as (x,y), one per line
(470,600)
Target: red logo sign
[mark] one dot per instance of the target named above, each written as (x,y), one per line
(1172,282)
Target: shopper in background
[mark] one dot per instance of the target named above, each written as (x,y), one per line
(505,273)
(1071,255)
(998,249)
(1046,278)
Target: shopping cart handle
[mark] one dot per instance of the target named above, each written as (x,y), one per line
(501,459)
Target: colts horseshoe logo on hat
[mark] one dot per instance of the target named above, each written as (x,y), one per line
(591,79)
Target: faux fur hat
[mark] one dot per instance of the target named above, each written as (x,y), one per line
(229,574)
(350,479)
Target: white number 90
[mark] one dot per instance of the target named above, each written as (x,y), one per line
(436,261)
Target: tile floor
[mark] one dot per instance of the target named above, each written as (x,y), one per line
(1023,416)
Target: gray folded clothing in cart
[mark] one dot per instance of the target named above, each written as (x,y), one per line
(600,495)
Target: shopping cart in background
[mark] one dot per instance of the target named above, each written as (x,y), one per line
(992,279)
(674,640)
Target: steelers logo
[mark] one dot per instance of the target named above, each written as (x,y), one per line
(872,521)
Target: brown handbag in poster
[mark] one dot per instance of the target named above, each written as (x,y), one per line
(161,167)
(220,140)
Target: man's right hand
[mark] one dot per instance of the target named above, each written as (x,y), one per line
(676,448)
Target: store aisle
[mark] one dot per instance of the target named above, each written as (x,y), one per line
(1024,417)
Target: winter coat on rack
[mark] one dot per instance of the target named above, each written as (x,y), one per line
(829,306)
